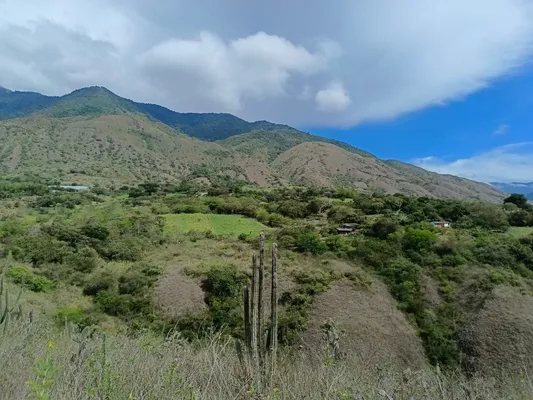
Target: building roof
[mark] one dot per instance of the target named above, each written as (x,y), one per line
(344,229)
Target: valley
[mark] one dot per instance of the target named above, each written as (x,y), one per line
(144,269)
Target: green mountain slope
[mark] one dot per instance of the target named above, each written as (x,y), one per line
(120,148)
(91,101)
(20,104)
(94,135)
(269,144)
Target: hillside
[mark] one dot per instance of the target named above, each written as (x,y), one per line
(120,148)
(20,104)
(93,135)
(324,164)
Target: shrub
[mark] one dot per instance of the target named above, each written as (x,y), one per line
(418,239)
(94,285)
(138,279)
(125,306)
(382,228)
(75,315)
(84,260)
(41,249)
(24,277)
(311,242)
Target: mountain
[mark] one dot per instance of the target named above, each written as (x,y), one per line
(93,135)
(525,188)
(20,104)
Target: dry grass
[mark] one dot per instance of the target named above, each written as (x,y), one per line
(176,294)
(499,333)
(148,367)
(375,331)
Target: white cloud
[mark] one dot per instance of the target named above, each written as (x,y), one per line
(332,98)
(266,62)
(510,163)
(224,74)
(501,130)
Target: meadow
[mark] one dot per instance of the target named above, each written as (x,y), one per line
(224,225)
(520,231)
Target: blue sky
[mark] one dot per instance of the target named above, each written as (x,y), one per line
(486,135)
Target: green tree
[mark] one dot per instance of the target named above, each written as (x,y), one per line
(382,228)
(311,242)
(519,199)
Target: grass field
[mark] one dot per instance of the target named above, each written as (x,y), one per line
(227,225)
(519,232)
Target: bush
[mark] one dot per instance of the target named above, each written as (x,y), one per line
(75,315)
(24,277)
(94,285)
(41,249)
(223,285)
(125,306)
(312,243)
(382,228)
(138,279)
(84,260)
(418,240)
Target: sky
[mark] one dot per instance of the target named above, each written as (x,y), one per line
(444,84)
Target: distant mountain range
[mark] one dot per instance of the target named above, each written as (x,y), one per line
(92,135)
(525,188)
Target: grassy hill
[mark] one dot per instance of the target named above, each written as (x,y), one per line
(119,148)
(94,135)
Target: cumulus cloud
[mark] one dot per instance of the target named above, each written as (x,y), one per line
(332,98)
(509,163)
(264,60)
(225,75)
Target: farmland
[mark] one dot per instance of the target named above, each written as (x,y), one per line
(224,225)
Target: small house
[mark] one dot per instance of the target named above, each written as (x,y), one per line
(347,229)
(344,231)
(74,188)
(441,224)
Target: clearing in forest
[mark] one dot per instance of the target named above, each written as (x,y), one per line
(227,225)
(520,232)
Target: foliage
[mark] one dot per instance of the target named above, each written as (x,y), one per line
(223,286)
(311,242)
(519,199)
(26,278)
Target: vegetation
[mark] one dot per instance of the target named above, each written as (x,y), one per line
(42,363)
(99,260)
(224,225)
(94,136)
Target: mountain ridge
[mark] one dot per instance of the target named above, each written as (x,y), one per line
(92,134)
(525,188)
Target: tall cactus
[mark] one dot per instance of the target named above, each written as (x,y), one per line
(256,333)
(6,312)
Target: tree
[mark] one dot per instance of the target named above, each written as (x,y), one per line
(519,199)
(311,242)
(318,205)
(520,218)
(488,216)
(382,228)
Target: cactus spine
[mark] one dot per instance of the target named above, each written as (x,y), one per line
(256,334)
